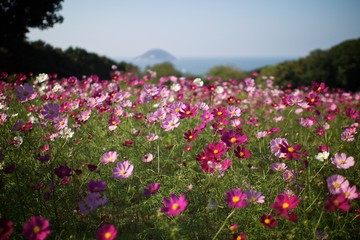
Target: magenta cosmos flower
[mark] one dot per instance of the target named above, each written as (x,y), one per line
(153,188)
(123,170)
(284,203)
(109,157)
(342,162)
(216,149)
(338,202)
(268,221)
(6,228)
(36,228)
(174,205)
(106,232)
(236,198)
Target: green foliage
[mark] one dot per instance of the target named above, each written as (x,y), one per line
(227,72)
(38,57)
(338,67)
(17,16)
(165,69)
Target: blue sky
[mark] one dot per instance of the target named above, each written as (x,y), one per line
(204,28)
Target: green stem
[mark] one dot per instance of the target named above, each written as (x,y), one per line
(317,224)
(223,225)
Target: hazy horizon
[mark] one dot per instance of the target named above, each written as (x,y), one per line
(204,28)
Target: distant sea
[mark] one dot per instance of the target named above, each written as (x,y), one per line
(201,65)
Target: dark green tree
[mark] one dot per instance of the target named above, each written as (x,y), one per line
(17,16)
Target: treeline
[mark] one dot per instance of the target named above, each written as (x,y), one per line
(39,57)
(338,67)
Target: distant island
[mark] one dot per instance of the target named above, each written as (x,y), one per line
(156,55)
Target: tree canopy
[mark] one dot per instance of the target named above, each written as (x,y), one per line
(17,16)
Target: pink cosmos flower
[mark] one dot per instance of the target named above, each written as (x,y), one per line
(174,205)
(84,116)
(60,122)
(3,118)
(36,228)
(233,111)
(254,196)
(342,162)
(152,137)
(109,157)
(236,198)
(160,114)
(289,175)
(275,146)
(278,167)
(153,188)
(336,182)
(347,136)
(170,123)
(106,232)
(350,192)
(123,170)
(207,116)
(284,203)
(148,157)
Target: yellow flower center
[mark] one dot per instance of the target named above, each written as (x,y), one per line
(219,113)
(285,205)
(233,140)
(36,229)
(336,185)
(241,154)
(107,235)
(342,162)
(188,112)
(347,194)
(123,172)
(235,199)
(253,198)
(175,206)
(336,202)
(290,149)
(216,151)
(267,221)
(190,137)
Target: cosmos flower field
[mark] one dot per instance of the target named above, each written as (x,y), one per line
(163,157)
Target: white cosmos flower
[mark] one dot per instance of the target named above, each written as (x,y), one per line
(175,87)
(219,90)
(198,82)
(321,156)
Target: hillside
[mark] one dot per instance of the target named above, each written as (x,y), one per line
(39,57)
(338,67)
(157,55)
